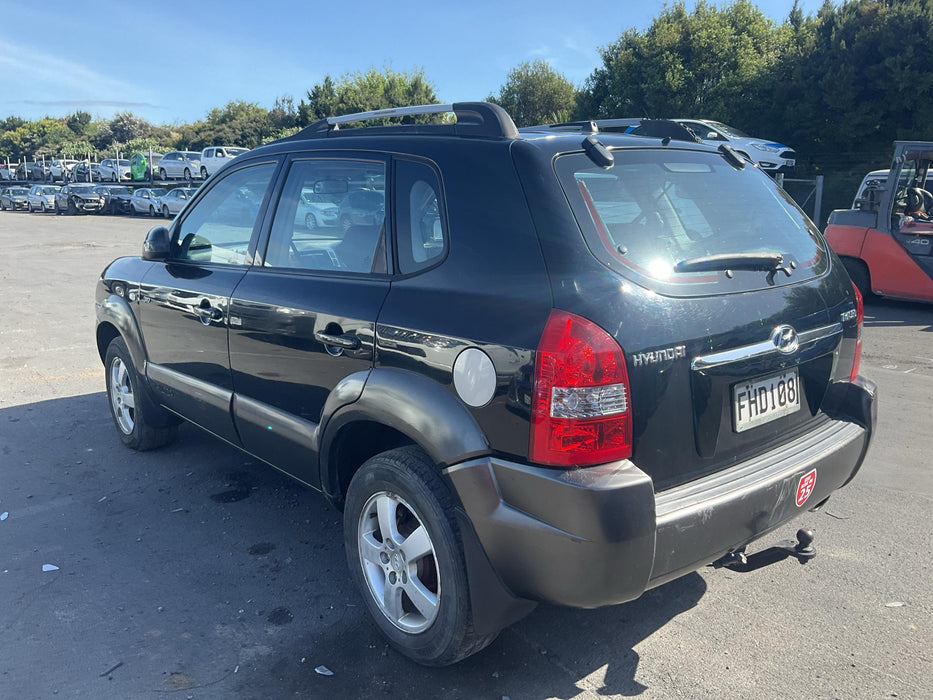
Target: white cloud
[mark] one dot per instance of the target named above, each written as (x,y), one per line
(39,79)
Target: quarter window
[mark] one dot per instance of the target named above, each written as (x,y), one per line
(219,228)
(422,236)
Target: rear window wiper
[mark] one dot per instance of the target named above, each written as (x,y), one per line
(765,262)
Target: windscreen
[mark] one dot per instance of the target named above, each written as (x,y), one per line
(656,209)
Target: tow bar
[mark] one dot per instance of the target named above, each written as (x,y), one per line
(802,550)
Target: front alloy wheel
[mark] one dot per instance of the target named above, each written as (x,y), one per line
(122,397)
(141,423)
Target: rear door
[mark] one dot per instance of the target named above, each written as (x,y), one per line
(185,306)
(303,318)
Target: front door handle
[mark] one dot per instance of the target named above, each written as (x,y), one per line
(346,342)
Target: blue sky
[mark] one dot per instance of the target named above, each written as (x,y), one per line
(171,62)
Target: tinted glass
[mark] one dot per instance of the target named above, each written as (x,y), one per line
(655,208)
(420,226)
(219,228)
(330,217)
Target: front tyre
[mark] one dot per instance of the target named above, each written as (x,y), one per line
(141,424)
(406,556)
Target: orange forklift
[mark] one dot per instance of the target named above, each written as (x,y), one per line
(886,239)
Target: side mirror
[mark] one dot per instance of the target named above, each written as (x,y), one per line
(157,245)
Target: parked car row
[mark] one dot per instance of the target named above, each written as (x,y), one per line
(174,165)
(78,197)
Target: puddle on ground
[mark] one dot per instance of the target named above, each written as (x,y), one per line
(280,616)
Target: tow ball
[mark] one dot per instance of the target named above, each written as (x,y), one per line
(802,550)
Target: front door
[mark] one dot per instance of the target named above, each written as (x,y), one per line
(185,302)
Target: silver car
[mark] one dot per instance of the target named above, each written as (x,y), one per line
(173,202)
(14,198)
(61,169)
(146,201)
(180,164)
(41,198)
(113,170)
(316,210)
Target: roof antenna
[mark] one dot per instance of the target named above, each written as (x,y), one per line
(666,141)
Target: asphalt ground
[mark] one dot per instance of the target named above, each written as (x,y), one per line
(193,572)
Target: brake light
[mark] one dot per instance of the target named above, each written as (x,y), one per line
(860,311)
(581,413)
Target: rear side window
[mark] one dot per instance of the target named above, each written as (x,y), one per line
(656,208)
(331,217)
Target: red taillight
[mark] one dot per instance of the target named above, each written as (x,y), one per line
(581,411)
(860,311)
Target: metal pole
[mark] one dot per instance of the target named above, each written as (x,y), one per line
(818,202)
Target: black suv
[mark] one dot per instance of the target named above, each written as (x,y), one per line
(562,367)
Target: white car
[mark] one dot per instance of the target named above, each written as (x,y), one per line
(61,169)
(113,170)
(41,198)
(215,156)
(770,156)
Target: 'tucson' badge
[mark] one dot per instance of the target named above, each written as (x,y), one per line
(805,487)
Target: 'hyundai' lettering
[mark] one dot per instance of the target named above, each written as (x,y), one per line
(653,357)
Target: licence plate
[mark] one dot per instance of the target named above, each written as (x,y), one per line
(790,162)
(756,403)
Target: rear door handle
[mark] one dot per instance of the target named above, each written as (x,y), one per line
(347,342)
(209,313)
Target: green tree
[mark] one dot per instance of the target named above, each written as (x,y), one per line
(284,114)
(237,123)
(78,149)
(368,91)
(42,137)
(700,63)
(79,123)
(534,93)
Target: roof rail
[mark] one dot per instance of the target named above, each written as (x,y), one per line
(479,119)
(583,127)
(657,128)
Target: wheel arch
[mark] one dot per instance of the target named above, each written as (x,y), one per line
(859,272)
(115,318)
(396,408)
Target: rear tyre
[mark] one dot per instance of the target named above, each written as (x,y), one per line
(165,212)
(162,174)
(141,424)
(203,173)
(310,221)
(406,556)
(861,278)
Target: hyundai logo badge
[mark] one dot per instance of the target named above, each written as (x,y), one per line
(785,339)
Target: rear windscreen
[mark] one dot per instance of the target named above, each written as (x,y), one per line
(654,209)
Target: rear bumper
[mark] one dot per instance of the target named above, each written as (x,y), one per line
(600,536)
